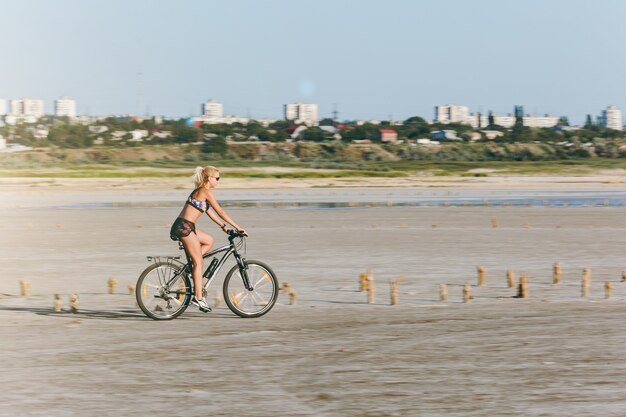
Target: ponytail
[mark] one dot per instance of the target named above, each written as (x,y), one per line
(198,177)
(202,174)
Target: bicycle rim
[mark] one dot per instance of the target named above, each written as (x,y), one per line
(163,292)
(253,303)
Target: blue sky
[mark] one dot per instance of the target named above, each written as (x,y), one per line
(373,59)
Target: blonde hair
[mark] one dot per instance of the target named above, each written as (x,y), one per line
(202,175)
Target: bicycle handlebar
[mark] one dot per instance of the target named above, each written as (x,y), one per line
(232,234)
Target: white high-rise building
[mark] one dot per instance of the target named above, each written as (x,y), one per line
(212,110)
(541,121)
(291,111)
(458,114)
(65,106)
(478,120)
(301,113)
(451,113)
(27,107)
(612,118)
(3,107)
(507,121)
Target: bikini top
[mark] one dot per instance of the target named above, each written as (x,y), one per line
(202,206)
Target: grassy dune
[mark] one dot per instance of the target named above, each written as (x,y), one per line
(112,172)
(303,170)
(172,161)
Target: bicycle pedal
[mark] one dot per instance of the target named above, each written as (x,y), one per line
(205,310)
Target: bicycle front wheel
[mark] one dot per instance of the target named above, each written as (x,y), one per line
(253,303)
(163,291)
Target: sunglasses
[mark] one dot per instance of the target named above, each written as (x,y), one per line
(216,178)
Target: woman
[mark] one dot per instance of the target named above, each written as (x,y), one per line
(197,242)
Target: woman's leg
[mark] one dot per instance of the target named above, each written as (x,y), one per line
(194,249)
(206,241)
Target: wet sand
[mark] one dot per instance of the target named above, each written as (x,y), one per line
(554,354)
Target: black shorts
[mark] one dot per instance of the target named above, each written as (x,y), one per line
(182,228)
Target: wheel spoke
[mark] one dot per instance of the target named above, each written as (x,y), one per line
(263,279)
(260,283)
(245,297)
(256,296)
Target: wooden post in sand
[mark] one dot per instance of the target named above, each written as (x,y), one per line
(623,276)
(556,273)
(74,303)
(467,293)
(584,286)
(393,290)
(494,222)
(585,283)
(131,291)
(293,296)
(482,275)
(522,289)
(443,292)
(182,290)
(608,289)
(24,288)
(510,279)
(112,283)
(371,288)
(363,281)
(58,304)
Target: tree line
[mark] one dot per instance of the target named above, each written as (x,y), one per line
(215,138)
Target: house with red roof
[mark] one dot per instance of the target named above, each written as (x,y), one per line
(388,136)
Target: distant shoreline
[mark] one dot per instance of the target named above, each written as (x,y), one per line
(600,181)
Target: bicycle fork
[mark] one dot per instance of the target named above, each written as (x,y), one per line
(243,269)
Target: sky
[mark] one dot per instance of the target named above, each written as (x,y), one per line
(368,59)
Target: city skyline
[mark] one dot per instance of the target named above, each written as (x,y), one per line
(212,112)
(144,57)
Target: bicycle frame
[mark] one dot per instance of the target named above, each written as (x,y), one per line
(214,268)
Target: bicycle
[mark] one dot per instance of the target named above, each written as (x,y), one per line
(164,289)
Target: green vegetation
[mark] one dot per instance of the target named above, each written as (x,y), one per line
(126,147)
(265,169)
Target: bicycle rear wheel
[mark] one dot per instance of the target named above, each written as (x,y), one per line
(253,303)
(163,291)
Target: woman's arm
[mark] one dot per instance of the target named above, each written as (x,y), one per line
(216,219)
(220,211)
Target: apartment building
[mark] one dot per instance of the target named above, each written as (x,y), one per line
(540,121)
(451,113)
(65,106)
(612,118)
(301,113)
(508,121)
(27,107)
(212,110)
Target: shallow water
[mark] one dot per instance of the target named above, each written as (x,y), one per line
(313,198)
(554,354)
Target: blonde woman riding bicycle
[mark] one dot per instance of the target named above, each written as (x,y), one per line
(195,241)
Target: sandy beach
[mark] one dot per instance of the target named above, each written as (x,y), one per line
(331,354)
(607,179)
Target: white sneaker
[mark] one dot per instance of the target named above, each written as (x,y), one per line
(201,304)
